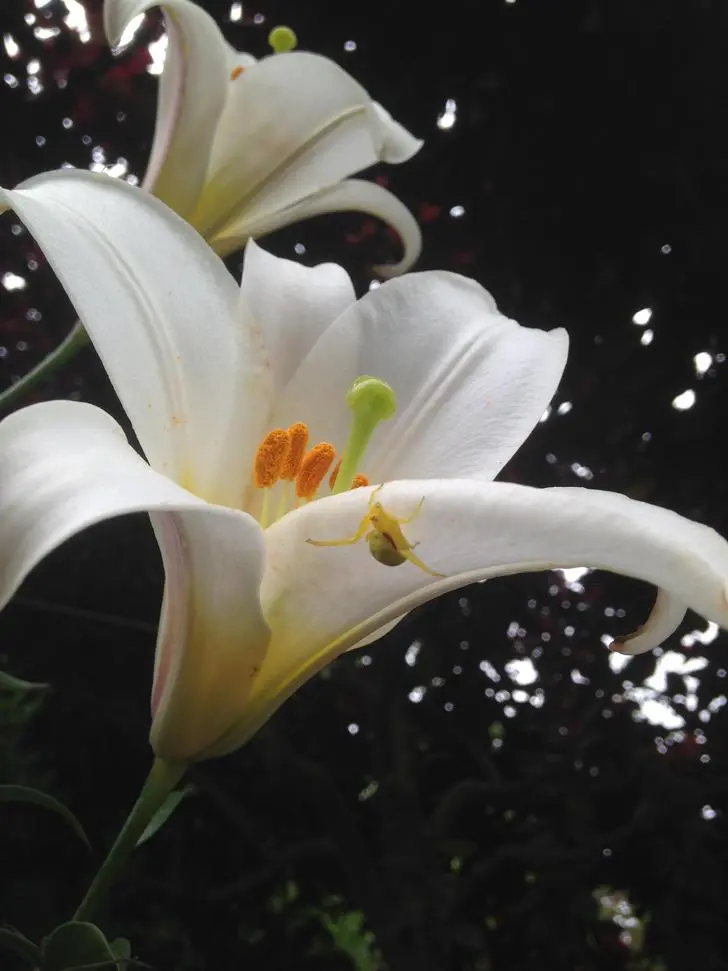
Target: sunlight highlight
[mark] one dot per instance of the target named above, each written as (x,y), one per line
(684,400)
(449,116)
(642,317)
(76,19)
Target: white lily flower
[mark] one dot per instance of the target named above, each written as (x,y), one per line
(206,371)
(242,147)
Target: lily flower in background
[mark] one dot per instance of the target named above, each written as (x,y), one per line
(243,147)
(277,561)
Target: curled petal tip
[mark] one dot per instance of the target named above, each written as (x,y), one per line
(665,617)
(388,271)
(625,648)
(397,144)
(117,14)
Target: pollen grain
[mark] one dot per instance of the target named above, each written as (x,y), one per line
(316,463)
(359,479)
(298,439)
(270,458)
(334,474)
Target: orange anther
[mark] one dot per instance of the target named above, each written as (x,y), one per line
(298,438)
(316,463)
(359,479)
(236,72)
(270,457)
(334,475)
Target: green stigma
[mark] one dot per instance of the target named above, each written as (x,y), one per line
(282,40)
(371,400)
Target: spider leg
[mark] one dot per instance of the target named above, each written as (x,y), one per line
(409,555)
(414,515)
(349,541)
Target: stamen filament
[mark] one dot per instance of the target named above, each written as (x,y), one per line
(284,499)
(265,509)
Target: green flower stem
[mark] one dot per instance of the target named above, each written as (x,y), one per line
(163,777)
(66,351)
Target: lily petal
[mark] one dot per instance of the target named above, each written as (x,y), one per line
(304,124)
(320,601)
(470,383)
(665,617)
(212,635)
(351,195)
(192,91)
(398,145)
(162,312)
(291,305)
(68,466)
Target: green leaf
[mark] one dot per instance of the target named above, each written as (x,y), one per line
(165,811)
(121,948)
(75,945)
(42,799)
(116,964)
(13,940)
(352,939)
(10,683)
(81,946)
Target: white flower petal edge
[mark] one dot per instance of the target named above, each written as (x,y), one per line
(293,125)
(320,601)
(291,305)
(67,466)
(193,89)
(471,384)
(398,145)
(191,377)
(665,617)
(241,145)
(351,195)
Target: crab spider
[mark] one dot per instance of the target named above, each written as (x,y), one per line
(387,543)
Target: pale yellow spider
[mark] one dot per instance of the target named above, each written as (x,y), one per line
(387,543)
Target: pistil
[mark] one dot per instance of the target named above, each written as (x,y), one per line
(372,401)
(282,40)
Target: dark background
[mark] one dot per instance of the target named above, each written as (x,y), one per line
(418,810)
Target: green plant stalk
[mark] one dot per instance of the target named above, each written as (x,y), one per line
(65,352)
(162,778)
